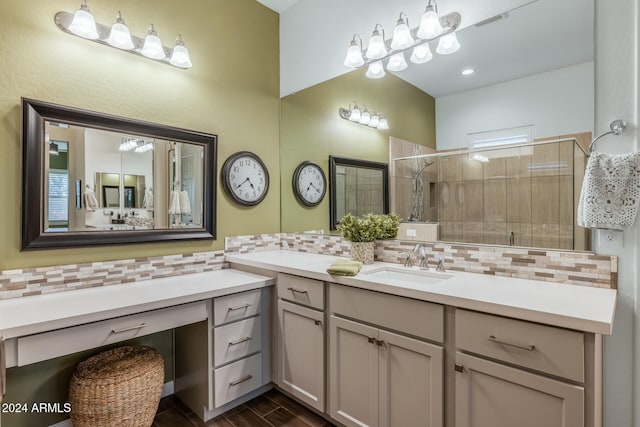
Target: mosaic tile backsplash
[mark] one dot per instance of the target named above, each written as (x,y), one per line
(538,264)
(43,280)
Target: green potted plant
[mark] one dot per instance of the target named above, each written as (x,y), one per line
(362,231)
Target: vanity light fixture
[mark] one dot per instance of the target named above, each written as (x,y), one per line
(432,28)
(120,36)
(138,145)
(83,24)
(364,117)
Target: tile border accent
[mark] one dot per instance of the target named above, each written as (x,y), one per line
(556,266)
(43,280)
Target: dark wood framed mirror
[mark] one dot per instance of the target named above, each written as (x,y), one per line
(357,187)
(160,180)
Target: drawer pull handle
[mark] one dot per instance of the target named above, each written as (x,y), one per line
(241,380)
(510,344)
(240,341)
(128,328)
(294,290)
(239,307)
(3,370)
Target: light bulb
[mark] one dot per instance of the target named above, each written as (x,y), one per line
(402,38)
(180,57)
(430,26)
(354,57)
(152,47)
(365,118)
(375,70)
(355,114)
(120,36)
(375,120)
(397,62)
(83,23)
(448,44)
(421,54)
(376,48)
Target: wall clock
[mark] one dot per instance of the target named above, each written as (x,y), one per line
(245,178)
(309,183)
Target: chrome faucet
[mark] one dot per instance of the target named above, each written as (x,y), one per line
(440,266)
(420,250)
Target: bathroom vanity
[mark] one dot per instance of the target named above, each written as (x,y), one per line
(391,346)
(455,349)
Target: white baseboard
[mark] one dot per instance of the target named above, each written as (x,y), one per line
(167,390)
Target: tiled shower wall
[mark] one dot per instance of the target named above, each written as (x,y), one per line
(530,191)
(548,265)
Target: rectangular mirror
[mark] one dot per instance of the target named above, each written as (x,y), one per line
(93,179)
(357,187)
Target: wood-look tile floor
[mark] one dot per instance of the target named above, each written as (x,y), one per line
(272,409)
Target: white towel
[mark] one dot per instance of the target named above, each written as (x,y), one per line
(90,201)
(148,199)
(174,203)
(185,204)
(610,191)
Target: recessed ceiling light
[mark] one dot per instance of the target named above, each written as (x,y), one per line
(468,71)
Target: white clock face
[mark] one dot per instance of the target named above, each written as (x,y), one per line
(311,184)
(247,179)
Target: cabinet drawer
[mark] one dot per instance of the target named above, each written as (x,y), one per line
(413,317)
(237,340)
(236,306)
(542,348)
(237,379)
(38,347)
(301,290)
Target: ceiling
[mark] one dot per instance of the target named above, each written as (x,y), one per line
(533,37)
(278,5)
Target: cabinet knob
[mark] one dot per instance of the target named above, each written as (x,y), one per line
(372,340)
(318,322)
(458,367)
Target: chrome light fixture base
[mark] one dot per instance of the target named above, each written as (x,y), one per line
(449,23)
(63,20)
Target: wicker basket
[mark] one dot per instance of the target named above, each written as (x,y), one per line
(117,387)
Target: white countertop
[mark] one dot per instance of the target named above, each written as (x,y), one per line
(570,306)
(39,313)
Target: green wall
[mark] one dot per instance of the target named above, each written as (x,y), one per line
(232,91)
(48,381)
(311,129)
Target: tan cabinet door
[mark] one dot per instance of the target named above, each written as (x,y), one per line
(411,385)
(301,353)
(490,394)
(353,373)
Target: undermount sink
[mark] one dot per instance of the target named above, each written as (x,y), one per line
(407,275)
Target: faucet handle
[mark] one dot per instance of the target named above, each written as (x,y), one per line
(407,260)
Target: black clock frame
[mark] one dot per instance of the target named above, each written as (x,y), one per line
(296,189)
(226,171)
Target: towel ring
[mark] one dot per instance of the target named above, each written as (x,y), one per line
(616,126)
